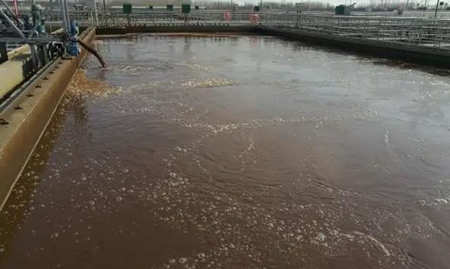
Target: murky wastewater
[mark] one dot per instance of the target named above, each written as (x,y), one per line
(237,152)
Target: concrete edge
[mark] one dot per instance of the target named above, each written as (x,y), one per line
(168,28)
(391,50)
(24,125)
(422,55)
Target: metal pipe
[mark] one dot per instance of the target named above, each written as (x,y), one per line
(6,6)
(9,10)
(92,51)
(13,25)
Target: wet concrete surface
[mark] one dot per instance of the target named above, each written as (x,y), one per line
(237,152)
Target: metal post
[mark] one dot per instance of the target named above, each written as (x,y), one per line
(95,13)
(66,15)
(34,57)
(62,14)
(435,11)
(104,6)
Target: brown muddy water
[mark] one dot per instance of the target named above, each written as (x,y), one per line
(237,152)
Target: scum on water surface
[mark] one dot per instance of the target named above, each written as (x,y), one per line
(237,152)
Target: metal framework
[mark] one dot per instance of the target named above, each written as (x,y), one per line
(40,49)
(426,32)
(413,31)
(17,31)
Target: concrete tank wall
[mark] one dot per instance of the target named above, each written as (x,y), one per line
(22,125)
(378,48)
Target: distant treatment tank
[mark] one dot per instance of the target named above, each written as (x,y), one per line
(344,9)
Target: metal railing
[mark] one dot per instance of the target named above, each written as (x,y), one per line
(118,18)
(414,31)
(418,31)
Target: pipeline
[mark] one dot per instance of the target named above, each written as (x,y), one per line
(93,52)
